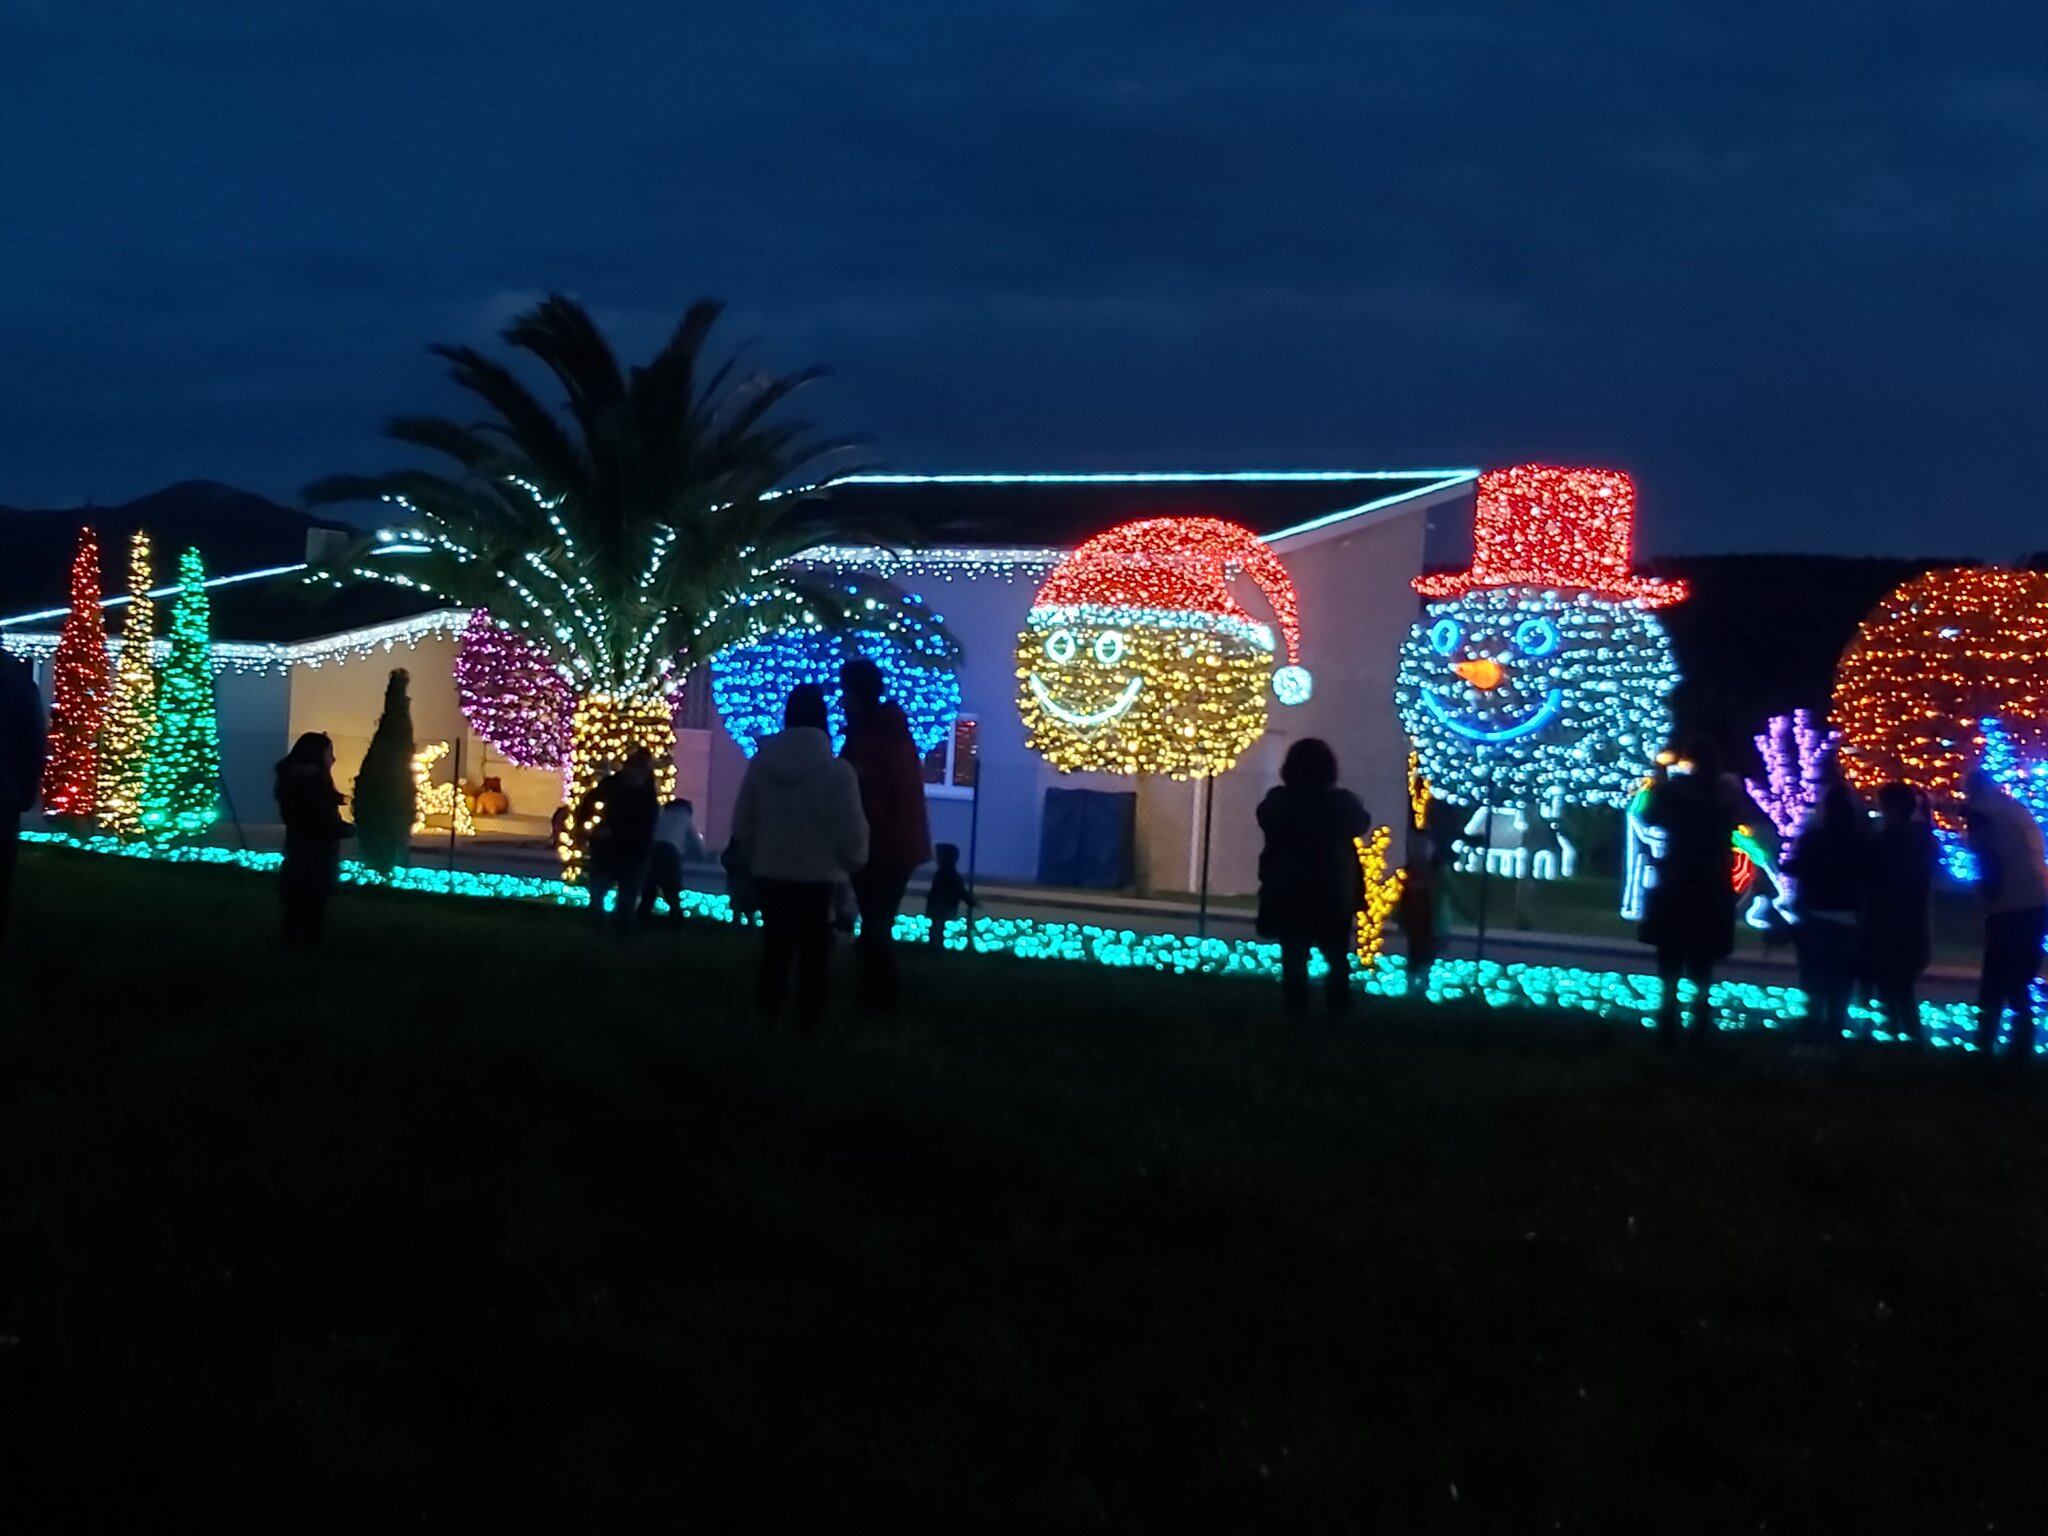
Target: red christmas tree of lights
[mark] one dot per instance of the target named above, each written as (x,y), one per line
(78,692)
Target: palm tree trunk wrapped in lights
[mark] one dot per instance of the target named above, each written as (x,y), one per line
(656,521)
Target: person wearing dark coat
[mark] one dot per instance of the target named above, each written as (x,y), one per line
(885,760)
(2012,885)
(1830,862)
(1897,937)
(627,809)
(22,749)
(1311,886)
(1689,918)
(310,807)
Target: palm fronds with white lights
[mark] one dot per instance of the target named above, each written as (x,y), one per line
(652,522)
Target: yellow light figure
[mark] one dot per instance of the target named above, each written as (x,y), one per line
(1138,658)
(431,799)
(131,711)
(603,732)
(1382,891)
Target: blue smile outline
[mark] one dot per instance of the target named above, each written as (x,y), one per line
(1545,713)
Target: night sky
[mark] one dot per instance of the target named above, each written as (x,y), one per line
(1784,263)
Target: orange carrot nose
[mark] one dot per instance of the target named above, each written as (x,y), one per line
(1482,672)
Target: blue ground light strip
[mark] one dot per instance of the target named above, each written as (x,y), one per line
(1626,997)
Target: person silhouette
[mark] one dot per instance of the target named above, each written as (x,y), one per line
(23,746)
(309,805)
(885,759)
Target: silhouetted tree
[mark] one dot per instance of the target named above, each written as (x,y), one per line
(384,788)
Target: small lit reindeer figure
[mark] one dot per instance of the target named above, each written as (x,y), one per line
(430,799)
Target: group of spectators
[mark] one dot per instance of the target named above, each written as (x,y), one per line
(818,839)
(1859,889)
(1859,886)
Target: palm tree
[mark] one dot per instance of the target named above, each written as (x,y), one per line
(652,524)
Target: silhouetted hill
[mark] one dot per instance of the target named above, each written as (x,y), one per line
(1761,633)
(234,530)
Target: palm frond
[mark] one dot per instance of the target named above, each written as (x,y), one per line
(659,521)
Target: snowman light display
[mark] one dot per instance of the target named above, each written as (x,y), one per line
(1540,676)
(1138,658)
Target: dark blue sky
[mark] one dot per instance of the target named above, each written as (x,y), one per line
(1785,263)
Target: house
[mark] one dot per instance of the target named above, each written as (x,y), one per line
(292,657)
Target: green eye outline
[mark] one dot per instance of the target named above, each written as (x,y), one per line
(1109,647)
(1061,645)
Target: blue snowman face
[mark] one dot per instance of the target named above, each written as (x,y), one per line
(1513,694)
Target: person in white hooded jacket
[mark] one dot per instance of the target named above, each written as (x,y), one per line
(799,826)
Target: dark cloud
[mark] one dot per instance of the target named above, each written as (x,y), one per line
(1785,263)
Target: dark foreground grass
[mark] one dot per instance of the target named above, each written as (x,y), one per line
(475,1222)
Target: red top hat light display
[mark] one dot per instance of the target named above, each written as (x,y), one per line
(1541,673)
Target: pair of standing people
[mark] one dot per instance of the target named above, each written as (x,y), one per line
(807,823)
(1862,900)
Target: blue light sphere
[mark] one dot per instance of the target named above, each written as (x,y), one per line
(920,665)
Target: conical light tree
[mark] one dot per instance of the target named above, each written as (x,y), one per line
(653,523)
(78,691)
(181,780)
(131,707)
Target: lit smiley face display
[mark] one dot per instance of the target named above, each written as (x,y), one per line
(1116,691)
(1077,655)
(1513,694)
(1137,657)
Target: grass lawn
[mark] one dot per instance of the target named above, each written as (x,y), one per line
(476,1221)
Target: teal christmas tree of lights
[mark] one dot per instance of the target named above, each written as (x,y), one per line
(181,782)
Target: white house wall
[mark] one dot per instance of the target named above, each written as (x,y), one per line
(251,709)
(1356,607)
(345,695)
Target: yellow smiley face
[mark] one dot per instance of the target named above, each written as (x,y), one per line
(1102,696)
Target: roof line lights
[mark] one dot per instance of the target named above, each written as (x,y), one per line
(1169,477)
(240,656)
(1451,480)
(122,600)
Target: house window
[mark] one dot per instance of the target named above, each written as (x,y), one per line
(949,768)
(693,701)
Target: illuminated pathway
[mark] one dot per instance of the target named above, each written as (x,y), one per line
(1625,996)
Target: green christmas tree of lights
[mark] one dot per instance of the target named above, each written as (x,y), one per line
(181,782)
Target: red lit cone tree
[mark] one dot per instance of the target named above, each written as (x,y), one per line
(78,692)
